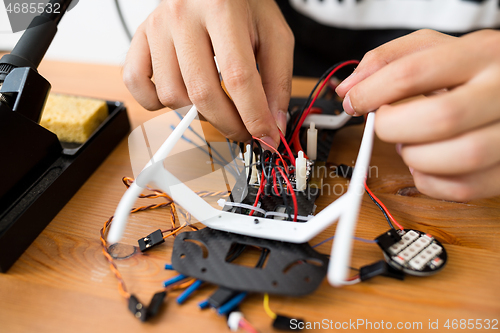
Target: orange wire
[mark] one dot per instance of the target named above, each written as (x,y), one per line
(175,231)
(157,194)
(182,285)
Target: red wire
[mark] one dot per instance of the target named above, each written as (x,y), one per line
(383,206)
(262,182)
(306,113)
(244,324)
(352,278)
(287,147)
(273,149)
(297,145)
(294,197)
(316,110)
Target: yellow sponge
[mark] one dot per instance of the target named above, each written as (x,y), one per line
(73,119)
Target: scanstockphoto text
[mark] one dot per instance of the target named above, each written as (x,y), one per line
(376,325)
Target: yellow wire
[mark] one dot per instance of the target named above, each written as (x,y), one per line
(268,310)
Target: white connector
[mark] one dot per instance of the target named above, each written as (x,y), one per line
(312,142)
(233,321)
(301,171)
(254,177)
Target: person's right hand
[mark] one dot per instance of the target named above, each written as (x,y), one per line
(177,43)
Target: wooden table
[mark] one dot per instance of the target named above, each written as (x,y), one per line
(62,283)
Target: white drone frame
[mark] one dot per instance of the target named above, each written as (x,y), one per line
(346,208)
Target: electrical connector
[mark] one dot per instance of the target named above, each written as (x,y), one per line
(155,304)
(369,271)
(142,312)
(251,168)
(388,239)
(137,308)
(151,240)
(285,323)
(301,171)
(312,142)
(221,296)
(233,320)
(379,268)
(344,171)
(394,273)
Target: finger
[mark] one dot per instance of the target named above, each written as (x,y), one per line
(379,57)
(275,58)
(441,116)
(418,73)
(236,59)
(461,188)
(197,65)
(137,72)
(170,87)
(465,153)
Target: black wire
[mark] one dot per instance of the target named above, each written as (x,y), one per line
(235,252)
(382,209)
(284,194)
(309,98)
(242,147)
(237,249)
(122,20)
(262,258)
(258,156)
(267,169)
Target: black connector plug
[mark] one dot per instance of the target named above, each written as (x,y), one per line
(142,312)
(155,304)
(137,308)
(221,296)
(387,239)
(344,171)
(380,268)
(369,271)
(285,323)
(394,273)
(151,240)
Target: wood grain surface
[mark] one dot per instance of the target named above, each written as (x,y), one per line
(62,283)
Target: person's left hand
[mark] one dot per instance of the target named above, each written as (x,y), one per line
(450,140)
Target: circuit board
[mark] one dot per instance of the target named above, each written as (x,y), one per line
(272,205)
(416,253)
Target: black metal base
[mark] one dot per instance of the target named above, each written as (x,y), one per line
(33,210)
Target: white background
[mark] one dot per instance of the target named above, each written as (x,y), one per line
(90,32)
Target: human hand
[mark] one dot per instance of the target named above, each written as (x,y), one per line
(170,64)
(449,140)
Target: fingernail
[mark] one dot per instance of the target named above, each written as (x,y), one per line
(348,106)
(345,82)
(269,141)
(411,170)
(398,148)
(281,121)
